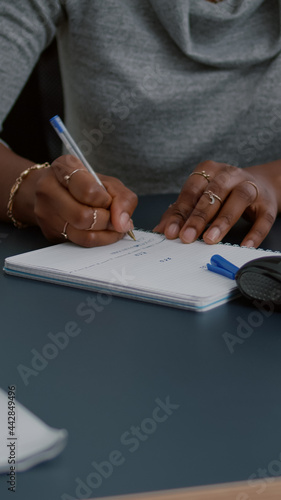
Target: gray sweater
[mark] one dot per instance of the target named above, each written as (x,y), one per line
(153,87)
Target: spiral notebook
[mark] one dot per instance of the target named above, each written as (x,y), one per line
(151,269)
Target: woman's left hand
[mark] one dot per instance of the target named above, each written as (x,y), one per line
(219,194)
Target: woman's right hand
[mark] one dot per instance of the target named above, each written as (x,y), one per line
(68,203)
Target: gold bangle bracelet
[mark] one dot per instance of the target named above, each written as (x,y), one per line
(15,189)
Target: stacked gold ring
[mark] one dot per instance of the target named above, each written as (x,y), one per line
(256,188)
(64,233)
(95,216)
(213,197)
(68,177)
(203,173)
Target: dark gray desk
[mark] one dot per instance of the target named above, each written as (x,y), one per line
(129,356)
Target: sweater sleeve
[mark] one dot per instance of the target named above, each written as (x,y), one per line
(27,27)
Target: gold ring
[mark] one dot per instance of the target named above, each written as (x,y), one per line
(256,188)
(212,196)
(203,173)
(68,177)
(64,233)
(95,216)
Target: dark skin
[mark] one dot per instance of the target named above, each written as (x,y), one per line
(47,200)
(189,216)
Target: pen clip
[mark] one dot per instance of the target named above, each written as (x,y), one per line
(222,266)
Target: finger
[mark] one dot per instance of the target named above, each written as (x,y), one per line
(80,183)
(205,210)
(63,204)
(61,230)
(174,218)
(86,190)
(242,196)
(260,229)
(92,238)
(124,202)
(54,231)
(211,176)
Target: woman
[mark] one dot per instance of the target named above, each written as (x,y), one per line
(161,96)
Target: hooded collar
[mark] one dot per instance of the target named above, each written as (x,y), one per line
(231,33)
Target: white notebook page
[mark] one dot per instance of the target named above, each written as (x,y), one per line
(152,263)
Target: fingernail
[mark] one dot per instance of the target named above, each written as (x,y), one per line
(189,235)
(213,235)
(125,221)
(173,230)
(249,244)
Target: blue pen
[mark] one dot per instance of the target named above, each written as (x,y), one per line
(222,266)
(71,145)
(74,150)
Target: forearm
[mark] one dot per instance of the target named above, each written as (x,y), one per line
(11,166)
(271,173)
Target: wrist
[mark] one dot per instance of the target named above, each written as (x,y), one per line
(20,208)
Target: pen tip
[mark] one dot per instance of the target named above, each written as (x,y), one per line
(131,234)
